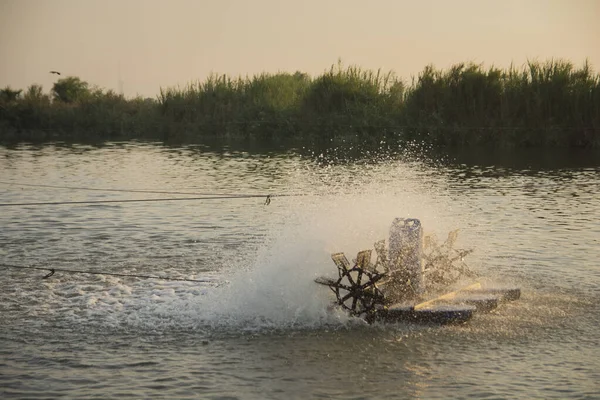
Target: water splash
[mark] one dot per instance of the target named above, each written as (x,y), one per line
(276,288)
(346,207)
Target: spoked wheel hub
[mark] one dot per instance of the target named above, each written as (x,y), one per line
(356,291)
(356,287)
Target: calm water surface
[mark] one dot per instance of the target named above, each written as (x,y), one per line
(257,327)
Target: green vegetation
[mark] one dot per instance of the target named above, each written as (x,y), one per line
(540,104)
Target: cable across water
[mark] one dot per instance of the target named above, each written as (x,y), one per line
(52,271)
(198,196)
(148,191)
(59,203)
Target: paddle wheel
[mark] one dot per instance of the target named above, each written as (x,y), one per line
(357,286)
(407,271)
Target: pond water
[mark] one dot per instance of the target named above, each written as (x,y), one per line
(257,326)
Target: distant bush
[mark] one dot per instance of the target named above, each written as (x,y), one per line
(540,104)
(70,89)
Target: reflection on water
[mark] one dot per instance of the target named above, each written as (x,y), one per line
(259,327)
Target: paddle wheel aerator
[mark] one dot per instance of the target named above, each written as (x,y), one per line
(407,272)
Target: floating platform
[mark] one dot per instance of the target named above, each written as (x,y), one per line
(481,302)
(438,314)
(451,308)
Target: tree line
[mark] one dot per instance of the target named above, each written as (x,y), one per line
(552,103)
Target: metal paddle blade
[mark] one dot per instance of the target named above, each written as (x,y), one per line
(322,280)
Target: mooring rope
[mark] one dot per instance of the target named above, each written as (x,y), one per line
(200,196)
(59,203)
(147,191)
(51,272)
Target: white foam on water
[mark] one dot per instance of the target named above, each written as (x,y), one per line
(277,288)
(348,209)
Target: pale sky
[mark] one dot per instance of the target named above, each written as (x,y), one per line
(163,43)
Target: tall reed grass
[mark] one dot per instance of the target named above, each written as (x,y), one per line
(552,103)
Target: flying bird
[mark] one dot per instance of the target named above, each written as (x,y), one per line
(55,72)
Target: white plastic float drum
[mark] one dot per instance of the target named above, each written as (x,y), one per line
(405,254)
